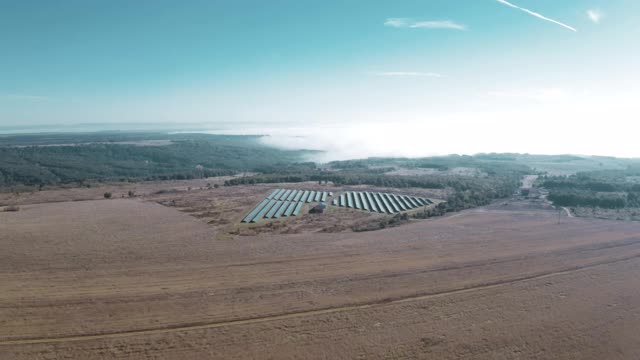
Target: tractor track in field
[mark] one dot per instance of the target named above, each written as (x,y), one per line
(329,310)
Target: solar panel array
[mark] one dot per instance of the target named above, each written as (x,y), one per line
(283,203)
(380,202)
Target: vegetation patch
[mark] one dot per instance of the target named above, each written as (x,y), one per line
(595,189)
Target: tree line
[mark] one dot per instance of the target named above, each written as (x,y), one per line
(613,189)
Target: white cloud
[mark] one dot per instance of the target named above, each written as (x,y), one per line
(540,16)
(438,25)
(595,15)
(433,24)
(396,22)
(408,73)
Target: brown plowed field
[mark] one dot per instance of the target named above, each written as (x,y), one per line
(135,279)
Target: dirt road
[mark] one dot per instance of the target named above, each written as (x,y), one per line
(569,213)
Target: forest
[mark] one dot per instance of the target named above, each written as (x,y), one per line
(612,189)
(30,160)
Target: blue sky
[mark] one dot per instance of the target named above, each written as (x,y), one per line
(480,65)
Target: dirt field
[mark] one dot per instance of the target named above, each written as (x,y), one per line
(223,207)
(96,191)
(133,279)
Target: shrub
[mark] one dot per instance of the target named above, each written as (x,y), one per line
(12,208)
(107,195)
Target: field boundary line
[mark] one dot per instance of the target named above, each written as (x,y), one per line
(330,310)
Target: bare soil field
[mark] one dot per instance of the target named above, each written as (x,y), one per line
(225,207)
(96,191)
(222,207)
(133,279)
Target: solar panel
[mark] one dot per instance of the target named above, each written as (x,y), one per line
(297,209)
(379,203)
(402,201)
(279,194)
(397,201)
(388,206)
(372,203)
(363,201)
(417,200)
(392,202)
(410,200)
(356,200)
(255,211)
(283,202)
(281,210)
(273,194)
(264,210)
(293,193)
(273,210)
(290,208)
(284,195)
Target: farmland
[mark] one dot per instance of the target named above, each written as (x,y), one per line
(153,277)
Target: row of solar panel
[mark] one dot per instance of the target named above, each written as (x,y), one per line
(380,202)
(299,195)
(283,202)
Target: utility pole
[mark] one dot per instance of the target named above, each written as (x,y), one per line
(559,213)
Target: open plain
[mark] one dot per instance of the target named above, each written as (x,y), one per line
(133,279)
